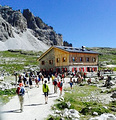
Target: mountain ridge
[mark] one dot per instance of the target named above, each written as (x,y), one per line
(15,24)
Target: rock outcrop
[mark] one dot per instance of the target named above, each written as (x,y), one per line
(14,18)
(14,21)
(42,31)
(5,30)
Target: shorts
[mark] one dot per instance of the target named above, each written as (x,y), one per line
(46,94)
(60,88)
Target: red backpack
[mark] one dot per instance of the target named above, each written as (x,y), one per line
(59,84)
(20,91)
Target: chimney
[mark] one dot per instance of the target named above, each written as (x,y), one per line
(83,48)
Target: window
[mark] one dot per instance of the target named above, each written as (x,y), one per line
(43,62)
(87,59)
(73,59)
(94,59)
(50,61)
(57,60)
(81,59)
(64,59)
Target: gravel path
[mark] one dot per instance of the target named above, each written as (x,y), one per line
(34,105)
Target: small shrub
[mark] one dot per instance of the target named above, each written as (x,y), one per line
(89,110)
(6,94)
(62,105)
(54,117)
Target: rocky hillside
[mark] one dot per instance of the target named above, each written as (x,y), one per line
(25,31)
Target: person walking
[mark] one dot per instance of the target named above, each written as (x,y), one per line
(53,77)
(42,78)
(45,91)
(55,85)
(48,79)
(20,92)
(60,84)
(36,82)
(30,82)
(71,83)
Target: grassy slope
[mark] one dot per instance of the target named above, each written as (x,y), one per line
(85,100)
(16,60)
(106,56)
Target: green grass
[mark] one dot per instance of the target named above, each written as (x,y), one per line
(80,99)
(106,54)
(17,60)
(110,90)
(50,117)
(78,96)
(5,95)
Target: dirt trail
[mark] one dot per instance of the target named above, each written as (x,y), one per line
(34,105)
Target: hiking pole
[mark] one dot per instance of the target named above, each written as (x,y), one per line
(28,96)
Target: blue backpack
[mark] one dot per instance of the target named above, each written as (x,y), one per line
(21,91)
(61,84)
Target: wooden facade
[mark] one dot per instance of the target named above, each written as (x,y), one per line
(61,58)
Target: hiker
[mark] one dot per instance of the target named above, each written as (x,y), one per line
(42,78)
(71,83)
(79,79)
(48,79)
(55,85)
(107,82)
(36,82)
(30,82)
(46,90)
(60,84)
(89,81)
(20,79)
(26,74)
(84,76)
(24,80)
(58,77)
(20,92)
(53,78)
(82,79)
(63,77)
(98,74)
(39,77)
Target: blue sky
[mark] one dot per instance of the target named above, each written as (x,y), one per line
(91,23)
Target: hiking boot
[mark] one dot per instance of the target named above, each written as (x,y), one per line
(21,110)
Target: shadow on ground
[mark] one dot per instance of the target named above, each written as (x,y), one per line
(11,111)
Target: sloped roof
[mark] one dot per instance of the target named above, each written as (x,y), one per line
(46,52)
(68,49)
(77,50)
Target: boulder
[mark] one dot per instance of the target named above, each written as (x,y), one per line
(57,111)
(113,95)
(104,117)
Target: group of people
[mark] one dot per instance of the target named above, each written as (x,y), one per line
(27,81)
(29,78)
(57,84)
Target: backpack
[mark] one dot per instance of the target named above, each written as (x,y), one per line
(61,84)
(20,91)
(55,82)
